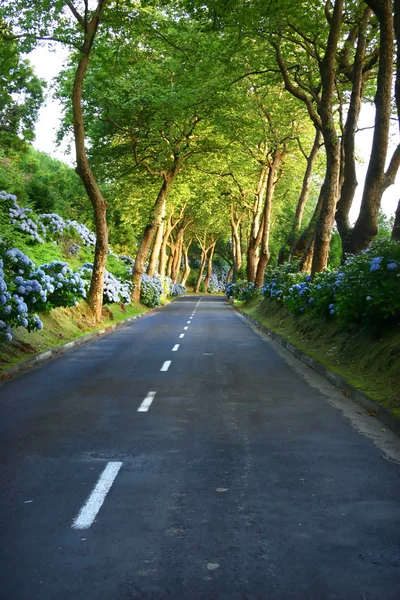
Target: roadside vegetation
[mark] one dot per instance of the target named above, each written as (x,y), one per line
(215,145)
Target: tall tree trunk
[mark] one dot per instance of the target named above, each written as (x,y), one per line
(376,181)
(186,271)
(265,253)
(256,225)
(307,258)
(308,234)
(172,250)
(203,261)
(285,251)
(163,250)
(332,144)
(396,226)
(237,248)
(349,185)
(176,265)
(155,253)
(149,231)
(323,119)
(209,267)
(95,295)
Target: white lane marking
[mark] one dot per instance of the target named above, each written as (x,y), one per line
(144,407)
(185,328)
(188,322)
(94,502)
(165,366)
(182,335)
(175,348)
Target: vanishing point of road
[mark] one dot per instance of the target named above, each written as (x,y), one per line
(186,457)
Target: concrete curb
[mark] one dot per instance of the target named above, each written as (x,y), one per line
(381,413)
(41,357)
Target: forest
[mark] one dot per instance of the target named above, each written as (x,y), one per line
(215,149)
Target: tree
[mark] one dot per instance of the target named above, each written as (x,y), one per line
(64,23)
(21,93)
(154,99)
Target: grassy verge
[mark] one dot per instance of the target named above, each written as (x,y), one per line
(368,360)
(61,325)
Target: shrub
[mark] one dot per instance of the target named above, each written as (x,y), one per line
(114,289)
(22,218)
(242,290)
(151,290)
(364,289)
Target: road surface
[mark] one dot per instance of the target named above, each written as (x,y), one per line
(182,457)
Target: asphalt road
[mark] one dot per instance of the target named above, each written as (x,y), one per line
(236,480)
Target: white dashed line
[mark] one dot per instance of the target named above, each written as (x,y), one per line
(89,510)
(165,366)
(175,348)
(144,407)
(185,328)
(188,322)
(182,335)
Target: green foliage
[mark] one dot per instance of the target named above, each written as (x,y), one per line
(21,92)
(363,290)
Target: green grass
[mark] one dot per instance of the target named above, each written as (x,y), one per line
(369,360)
(61,325)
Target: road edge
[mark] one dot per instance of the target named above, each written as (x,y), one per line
(381,413)
(39,358)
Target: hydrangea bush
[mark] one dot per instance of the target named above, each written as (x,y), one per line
(151,290)
(22,218)
(48,226)
(26,289)
(114,289)
(241,290)
(365,288)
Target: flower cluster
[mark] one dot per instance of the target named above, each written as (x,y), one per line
(48,226)
(217,281)
(129,262)
(151,290)
(241,290)
(26,288)
(88,237)
(365,288)
(22,218)
(114,290)
(68,287)
(177,289)
(52,223)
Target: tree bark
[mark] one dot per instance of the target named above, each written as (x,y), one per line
(307,258)
(376,181)
(236,244)
(271,182)
(176,265)
(349,185)
(163,250)
(308,234)
(285,251)
(332,144)
(170,262)
(396,226)
(187,269)
(150,229)
(322,116)
(209,267)
(155,253)
(256,225)
(203,261)
(95,295)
